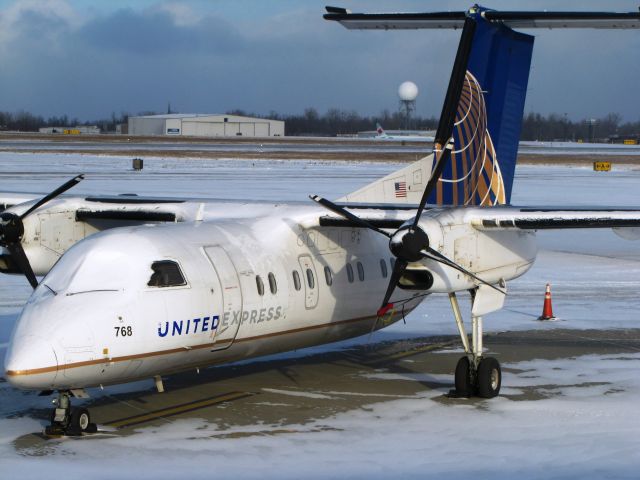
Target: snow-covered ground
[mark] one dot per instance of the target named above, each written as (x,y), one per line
(573,148)
(583,430)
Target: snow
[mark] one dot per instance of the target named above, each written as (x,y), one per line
(296,394)
(573,148)
(585,425)
(582,430)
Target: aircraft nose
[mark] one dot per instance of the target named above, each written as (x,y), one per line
(31,363)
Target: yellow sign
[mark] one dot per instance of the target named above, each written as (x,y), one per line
(602,166)
(71,131)
(631,141)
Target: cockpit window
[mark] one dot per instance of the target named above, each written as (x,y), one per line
(166,273)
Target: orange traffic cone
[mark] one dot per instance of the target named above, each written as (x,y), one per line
(547,311)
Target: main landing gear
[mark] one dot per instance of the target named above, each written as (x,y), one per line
(475,375)
(68,420)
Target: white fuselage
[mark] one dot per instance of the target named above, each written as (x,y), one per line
(252,286)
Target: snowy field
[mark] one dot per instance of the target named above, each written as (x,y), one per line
(574,148)
(584,428)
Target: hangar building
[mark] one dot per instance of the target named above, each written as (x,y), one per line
(204,125)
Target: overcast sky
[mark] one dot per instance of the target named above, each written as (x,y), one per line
(89,59)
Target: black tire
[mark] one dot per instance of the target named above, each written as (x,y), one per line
(464,387)
(489,378)
(79,422)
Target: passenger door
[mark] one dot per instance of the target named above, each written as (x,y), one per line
(230,295)
(310,280)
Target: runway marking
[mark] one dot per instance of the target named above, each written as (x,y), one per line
(178,409)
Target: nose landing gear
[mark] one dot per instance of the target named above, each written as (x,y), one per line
(475,375)
(67,420)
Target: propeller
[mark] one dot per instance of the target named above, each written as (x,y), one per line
(410,243)
(12,231)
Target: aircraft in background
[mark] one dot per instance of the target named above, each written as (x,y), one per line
(382,135)
(140,287)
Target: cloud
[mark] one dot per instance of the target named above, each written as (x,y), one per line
(60,57)
(160,31)
(32,23)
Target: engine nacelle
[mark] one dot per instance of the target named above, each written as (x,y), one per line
(491,255)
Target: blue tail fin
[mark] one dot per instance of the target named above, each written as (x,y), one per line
(488,119)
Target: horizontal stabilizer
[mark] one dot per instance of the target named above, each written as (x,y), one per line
(512,19)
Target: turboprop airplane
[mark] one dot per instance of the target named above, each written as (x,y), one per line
(382,135)
(139,287)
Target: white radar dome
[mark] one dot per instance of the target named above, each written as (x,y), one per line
(408,91)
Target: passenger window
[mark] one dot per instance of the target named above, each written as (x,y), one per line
(327,275)
(360,271)
(296,280)
(260,285)
(350,272)
(310,280)
(166,273)
(392,261)
(273,286)
(383,268)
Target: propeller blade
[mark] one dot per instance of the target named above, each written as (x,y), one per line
(398,269)
(61,189)
(438,257)
(442,160)
(22,262)
(443,141)
(13,229)
(346,214)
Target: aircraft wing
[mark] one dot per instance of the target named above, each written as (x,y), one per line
(127,208)
(544,218)
(505,218)
(8,200)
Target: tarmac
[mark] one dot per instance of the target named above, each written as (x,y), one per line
(290,392)
(295,148)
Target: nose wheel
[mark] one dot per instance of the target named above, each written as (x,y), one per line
(66,420)
(475,375)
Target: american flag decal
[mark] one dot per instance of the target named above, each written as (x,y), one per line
(400,189)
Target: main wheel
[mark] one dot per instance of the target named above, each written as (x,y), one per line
(79,421)
(489,378)
(464,387)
